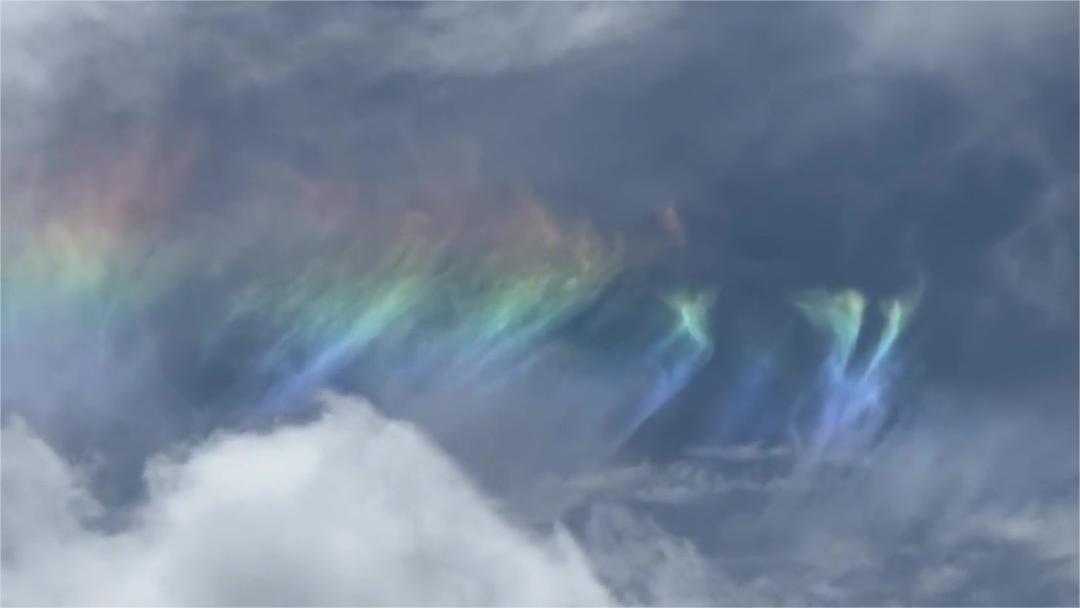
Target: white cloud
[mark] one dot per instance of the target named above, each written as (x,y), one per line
(951,36)
(139,49)
(648,565)
(1036,263)
(955,511)
(464,40)
(349,509)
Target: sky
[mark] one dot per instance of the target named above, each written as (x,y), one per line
(539,304)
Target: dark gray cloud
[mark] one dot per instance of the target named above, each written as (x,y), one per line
(808,145)
(874,146)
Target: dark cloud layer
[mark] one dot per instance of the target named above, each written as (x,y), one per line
(886,147)
(807,145)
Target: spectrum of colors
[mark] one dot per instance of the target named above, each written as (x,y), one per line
(466,294)
(854,402)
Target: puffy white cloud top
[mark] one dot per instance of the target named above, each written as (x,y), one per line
(349,509)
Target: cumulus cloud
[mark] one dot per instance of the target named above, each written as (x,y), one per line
(349,509)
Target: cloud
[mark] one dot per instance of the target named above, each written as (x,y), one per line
(951,37)
(349,509)
(801,145)
(1038,261)
(461,40)
(138,53)
(772,552)
(953,511)
(647,564)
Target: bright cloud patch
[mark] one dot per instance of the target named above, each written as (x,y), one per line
(350,509)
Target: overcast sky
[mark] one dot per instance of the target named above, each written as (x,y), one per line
(890,148)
